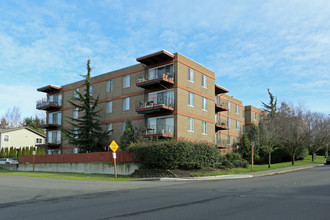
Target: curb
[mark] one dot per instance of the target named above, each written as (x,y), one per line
(238,176)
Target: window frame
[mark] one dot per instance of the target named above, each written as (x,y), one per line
(191,75)
(191,99)
(109,85)
(108,107)
(204,103)
(126,103)
(6,138)
(204,81)
(204,127)
(191,127)
(126,81)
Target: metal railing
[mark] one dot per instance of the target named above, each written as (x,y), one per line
(219,101)
(141,78)
(44,102)
(221,123)
(159,100)
(222,142)
(160,129)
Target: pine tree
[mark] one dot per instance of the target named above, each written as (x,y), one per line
(2,153)
(6,152)
(127,136)
(87,133)
(270,108)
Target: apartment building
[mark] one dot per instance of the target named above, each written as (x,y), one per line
(252,116)
(166,96)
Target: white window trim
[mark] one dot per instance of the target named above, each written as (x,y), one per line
(191,122)
(237,123)
(193,99)
(204,123)
(204,76)
(237,109)
(128,105)
(128,82)
(191,79)
(204,109)
(6,138)
(108,109)
(109,85)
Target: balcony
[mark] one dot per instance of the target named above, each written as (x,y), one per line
(221,125)
(49,89)
(220,90)
(49,126)
(220,105)
(155,80)
(45,104)
(222,143)
(156,58)
(49,145)
(160,131)
(159,104)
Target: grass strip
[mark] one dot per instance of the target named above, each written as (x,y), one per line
(263,167)
(58,175)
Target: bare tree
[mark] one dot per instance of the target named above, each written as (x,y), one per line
(294,132)
(317,126)
(12,118)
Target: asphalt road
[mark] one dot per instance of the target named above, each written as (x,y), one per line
(297,195)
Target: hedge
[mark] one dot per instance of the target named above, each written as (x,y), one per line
(172,154)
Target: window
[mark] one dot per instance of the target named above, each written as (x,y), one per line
(204,127)
(204,81)
(126,104)
(237,109)
(124,126)
(191,124)
(190,75)
(228,122)
(75,132)
(109,85)
(126,81)
(228,140)
(75,93)
(109,128)
(91,90)
(55,118)
(156,73)
(6,138)
(255,116)
(237,125)
(190,99)
(54,137)
(75,112)
(109,107)
(204,103)
(228,105)
(38,141)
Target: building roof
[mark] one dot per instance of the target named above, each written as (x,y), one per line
(20,128)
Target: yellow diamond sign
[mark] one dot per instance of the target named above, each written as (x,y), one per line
(114,146)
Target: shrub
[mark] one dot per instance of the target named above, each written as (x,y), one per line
(233,156)
(174,154)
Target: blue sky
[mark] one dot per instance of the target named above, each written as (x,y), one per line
(250,45)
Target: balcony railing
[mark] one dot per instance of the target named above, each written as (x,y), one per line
(161,103)
(153,80)
(160,130)
(220,105)
(45,104)
(221,125)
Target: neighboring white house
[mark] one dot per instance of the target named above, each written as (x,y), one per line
(20,137)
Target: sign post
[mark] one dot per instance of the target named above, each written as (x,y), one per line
(252,159)
(34,155)
(114,146)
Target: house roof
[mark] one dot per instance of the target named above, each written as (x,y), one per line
(20,128)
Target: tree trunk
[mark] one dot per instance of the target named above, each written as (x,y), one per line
(293,156)
(313,157)
(269,158)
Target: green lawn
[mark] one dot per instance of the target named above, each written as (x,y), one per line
(78,176)
(256,168)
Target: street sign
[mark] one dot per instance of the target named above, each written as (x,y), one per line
(114,146)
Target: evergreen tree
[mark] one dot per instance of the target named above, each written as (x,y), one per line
(127,137)
(33,122)
(6,152)
(87,133)
(19,153)
(2,153)
(270,108)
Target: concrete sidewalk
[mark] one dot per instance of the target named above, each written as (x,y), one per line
(247,175)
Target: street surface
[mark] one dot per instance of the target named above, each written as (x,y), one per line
(297,195)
